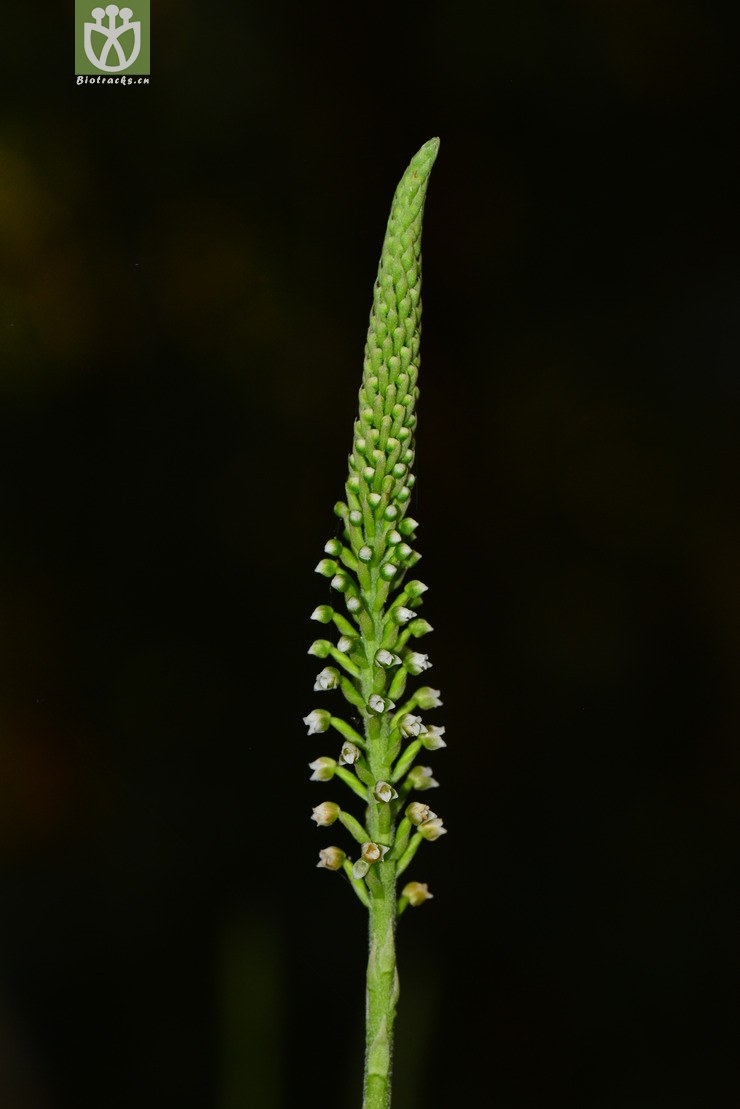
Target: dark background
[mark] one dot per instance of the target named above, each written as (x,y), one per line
(187,272)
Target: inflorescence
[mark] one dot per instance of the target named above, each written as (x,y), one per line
(373,650)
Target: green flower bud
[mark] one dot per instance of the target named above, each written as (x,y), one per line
(320,648)
(327,567)
(323,613)
(420,627)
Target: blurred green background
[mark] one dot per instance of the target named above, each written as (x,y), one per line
(186,275)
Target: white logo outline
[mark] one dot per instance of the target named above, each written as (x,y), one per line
(112,35)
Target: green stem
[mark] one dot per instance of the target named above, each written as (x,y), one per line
(382,989)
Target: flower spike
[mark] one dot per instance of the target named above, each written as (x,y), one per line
(371,663)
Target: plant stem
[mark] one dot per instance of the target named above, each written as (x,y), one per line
(382,989)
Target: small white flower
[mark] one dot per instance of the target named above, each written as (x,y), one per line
(360,868)
(418,813)
(433,829)
(331,858)
(380,704)
(416,663)
(384,792)
(317,721)
(371,852)
(344,644)
(411,725)
(428,698)
(421,778)
(325,814)
(386,658)
(416,893)
(349,754)
(327,679)
(432,738)
(365,554)
(323,769)
(354,604)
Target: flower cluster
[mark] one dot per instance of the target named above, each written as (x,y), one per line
(367,565)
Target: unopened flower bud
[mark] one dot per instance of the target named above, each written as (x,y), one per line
(327,568)
(386,658)
(328,678)
(402,615)
(432,829)
(326,813)
(344,643)
(340,582)
(317,721)
(421,778)
(323,769)
(408,525)
(320,648)
(420,627)
(365,554)
(418,813)
(331,858)
(415,588)
(388,571)
(323,613)
(384,792)
(416,893)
